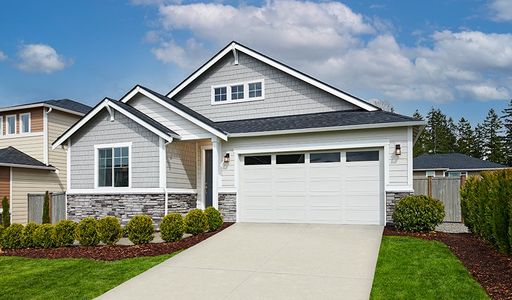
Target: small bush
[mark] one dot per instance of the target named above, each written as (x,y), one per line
(172,227)
(110,230)
(214,218)
(1,234)
(6,217)
(13,237)
(196,222)
(86,232)
(65,233)
(44,236)
(28,235)
(46,208)
(418,213)
(140,229)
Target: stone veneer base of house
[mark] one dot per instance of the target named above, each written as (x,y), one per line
(227,206)
(181,203)
(392,199)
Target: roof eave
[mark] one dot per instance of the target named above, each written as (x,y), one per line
(49,168)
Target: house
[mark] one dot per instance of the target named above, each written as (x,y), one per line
(257,139)
(27,164)
(451,165)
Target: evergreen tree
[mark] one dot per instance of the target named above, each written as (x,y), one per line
(420,145)
(6,218)
(46,208)
(507,139)
(493,144)
(465,137)
(478,147)
(441,137)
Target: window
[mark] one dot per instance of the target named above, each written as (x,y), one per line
(362,156)
(255,90)
(113,167)
(430,173)
(289,159)
(11,124)
(1,125)
(237,92)
(221,94)
(454,174)
(25,123)
(257,160)
(324,157)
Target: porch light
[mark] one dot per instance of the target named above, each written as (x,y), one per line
(398,150)
(226,158)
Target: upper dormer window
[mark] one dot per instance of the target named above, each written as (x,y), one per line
(238,92)
(25,123)
(11,124)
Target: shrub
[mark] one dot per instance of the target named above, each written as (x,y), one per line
(172,227)
(196,222)
(418,213)
(86,232)
(110,230)
(6,218)
(140,229)
(65,233)
(46,208)
(1,234)
(13,237)
(44,236)
(28,235)
(214,218)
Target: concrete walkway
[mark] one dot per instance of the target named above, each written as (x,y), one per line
(266,261)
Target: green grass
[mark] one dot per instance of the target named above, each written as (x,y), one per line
(24,278)
(411,268)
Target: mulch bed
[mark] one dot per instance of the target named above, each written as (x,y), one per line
(115,252)
(492,269)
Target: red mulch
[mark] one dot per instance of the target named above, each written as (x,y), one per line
(492,269)
(115,252)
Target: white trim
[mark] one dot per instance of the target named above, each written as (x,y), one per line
(7,127)
(68,163)
(16,136)
(28,167)
(216,176)
(410,145)
(107,102)
(117,191)
(246,98)
(430,172)
(10,194)
(434,169)
(399,189)
(162,163)
(130,171)
(27,106)
(1,125)
(174,109)
(181,191)
(275,64)
(45,136)
(29,121)
(227,190)
(462,170)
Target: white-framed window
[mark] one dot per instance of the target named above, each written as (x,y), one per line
(430,173)
(10,123)
(238,92)
(454,174)
(113,165)
(25,123)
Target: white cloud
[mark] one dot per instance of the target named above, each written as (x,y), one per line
(172,53)
(501,10)
(3,56)
(40,58)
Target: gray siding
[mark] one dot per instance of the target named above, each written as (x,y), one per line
(181,165)
(145,152)
(284,94)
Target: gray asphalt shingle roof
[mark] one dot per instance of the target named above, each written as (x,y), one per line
(13,156)
(62,103)
(453,161)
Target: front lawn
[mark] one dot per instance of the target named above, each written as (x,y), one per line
(25,278)
(412,268)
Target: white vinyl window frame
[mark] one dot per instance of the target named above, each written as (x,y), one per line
(22,127)
(96,166)
(8,127)
(246,97)
(430,173)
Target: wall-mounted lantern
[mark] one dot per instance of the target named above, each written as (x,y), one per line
(226,158)
(398,149)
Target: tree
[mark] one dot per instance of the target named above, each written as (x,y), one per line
(46,208)
(465,137)
(420,146)
(478,147)
(383,104)
(493,141)
(6,218)
(507,138)
(441,136)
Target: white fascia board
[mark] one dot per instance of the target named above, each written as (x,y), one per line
(28,167)
(430,169)
(323,129)
(28,106)
(277,65)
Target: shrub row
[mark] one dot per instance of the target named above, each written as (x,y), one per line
(418,213)
(486,204)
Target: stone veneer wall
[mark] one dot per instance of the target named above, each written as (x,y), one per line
(181,203)
(227,206)
(392,199)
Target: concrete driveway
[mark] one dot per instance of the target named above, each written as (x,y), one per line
(266,261)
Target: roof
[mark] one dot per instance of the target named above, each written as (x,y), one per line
(62,104)
(452,161)
(12,157)
(333,119)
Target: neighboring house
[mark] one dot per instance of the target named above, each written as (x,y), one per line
(27,164)
(451,165)
(248,135)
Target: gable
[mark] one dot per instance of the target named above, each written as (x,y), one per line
(284,94)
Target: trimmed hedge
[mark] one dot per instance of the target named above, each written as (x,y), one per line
(140,229)
(44,236)
(214,218)
(65,233)
(28,235)
(12,237)
(196,222)
(110,230)
(86,232)
(418,213)
(486,204)
(172,227)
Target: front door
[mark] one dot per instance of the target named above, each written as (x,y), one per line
(208,182)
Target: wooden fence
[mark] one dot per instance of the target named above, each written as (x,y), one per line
(446,189)
(57,207)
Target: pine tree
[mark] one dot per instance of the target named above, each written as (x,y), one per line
(507,138)
(46,208)
(6,218)
(441,136)
(420,145)
(465,137)
(493,144)
(478,147)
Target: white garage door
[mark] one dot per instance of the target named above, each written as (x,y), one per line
(338,187)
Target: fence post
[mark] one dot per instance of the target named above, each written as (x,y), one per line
(462,180)
(429,186)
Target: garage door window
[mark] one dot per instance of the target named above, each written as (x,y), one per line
(290,159)
(324,157)
(362,156)
(257,160)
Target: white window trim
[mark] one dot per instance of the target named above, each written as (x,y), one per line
(7,127)
(96,166)
(429,172)
(29,121)
(462,173)
(1,125)
(246,92)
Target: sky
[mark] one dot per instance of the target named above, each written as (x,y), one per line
(455,55)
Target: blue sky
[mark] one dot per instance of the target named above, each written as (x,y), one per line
(455,54)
